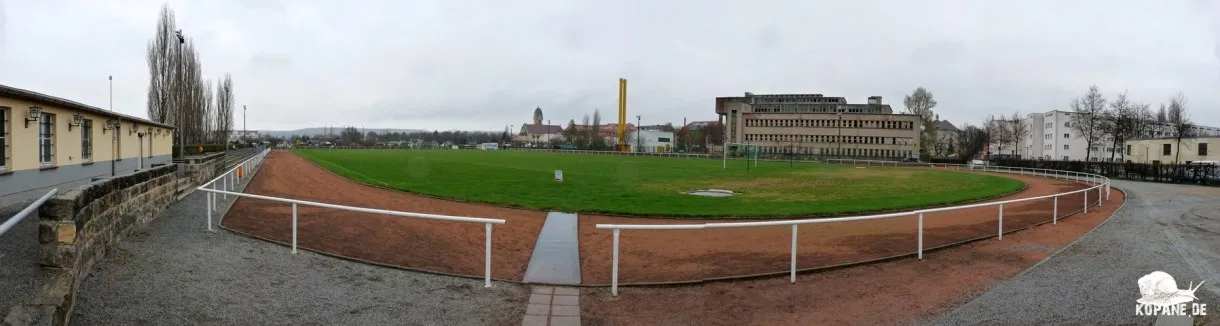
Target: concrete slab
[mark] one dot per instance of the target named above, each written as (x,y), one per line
(556,257)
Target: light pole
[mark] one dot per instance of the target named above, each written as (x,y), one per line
(639,142)
(115,135)
(243,122)
(181,135)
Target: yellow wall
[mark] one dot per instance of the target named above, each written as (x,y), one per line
(1148,150)
(23,141)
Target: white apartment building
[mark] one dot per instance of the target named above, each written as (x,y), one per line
(1051,137)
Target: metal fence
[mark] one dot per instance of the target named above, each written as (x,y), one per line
(32,207)
(224,185)
(1100,184)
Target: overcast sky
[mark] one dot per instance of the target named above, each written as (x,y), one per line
(455,64)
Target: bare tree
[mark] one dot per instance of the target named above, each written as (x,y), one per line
(972,141)
(921,102)
(224,109)
(1089,114)
(1018,129)
(1161,116)
(162,52)
(998,133)
(1125,120)
(1180,125)
(583,139)
(596,141)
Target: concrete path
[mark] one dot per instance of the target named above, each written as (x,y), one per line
(1164,227)
(21,276)
(175,272)
(553,306)
(556,257)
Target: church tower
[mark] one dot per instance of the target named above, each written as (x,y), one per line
(537,116)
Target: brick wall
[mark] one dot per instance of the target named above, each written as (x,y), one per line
(77,227)
(200,169)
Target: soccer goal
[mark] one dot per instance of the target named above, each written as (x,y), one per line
(749,152)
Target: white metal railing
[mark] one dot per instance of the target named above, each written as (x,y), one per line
(257,160)
(1100,183)
(12,221)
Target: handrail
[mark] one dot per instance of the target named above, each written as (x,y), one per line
(228,181)
(1100,183)
(12,221)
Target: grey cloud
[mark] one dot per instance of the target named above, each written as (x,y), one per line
(484,64)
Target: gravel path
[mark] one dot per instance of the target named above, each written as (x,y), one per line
(174,272)
(1171,228)
(20,274)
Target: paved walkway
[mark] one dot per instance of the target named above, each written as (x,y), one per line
(175,272)
(553,306)
(21,276)
(556,256)
(1170,228)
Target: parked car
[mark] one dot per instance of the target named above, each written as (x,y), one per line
(911,160)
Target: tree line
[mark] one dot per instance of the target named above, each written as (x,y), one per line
(179,94)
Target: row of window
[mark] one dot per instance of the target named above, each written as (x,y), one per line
(47,139)
(1068,147)
(815,108)
(830,139)
(831,123)
(874,152)
(1167,149)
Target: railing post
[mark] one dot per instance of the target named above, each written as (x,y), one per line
(487,257)
(919,248)
(1099,195)
(215,202)
(614,267)
(792,276)
(1000,233)
(294,228)
(1055,211)
(225,186)
(209,209)
(1086,201)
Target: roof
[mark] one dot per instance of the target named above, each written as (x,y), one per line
(1174,138)
(946,126)
(36,97)
(542,129)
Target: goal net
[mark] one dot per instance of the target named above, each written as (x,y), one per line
(747,152)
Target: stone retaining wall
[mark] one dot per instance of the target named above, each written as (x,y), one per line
(200,169)
(77,227)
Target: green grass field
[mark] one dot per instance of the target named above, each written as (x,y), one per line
(655,186)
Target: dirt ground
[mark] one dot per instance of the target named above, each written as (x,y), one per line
(905,291)
(434,245)
(691,255)
(646,256)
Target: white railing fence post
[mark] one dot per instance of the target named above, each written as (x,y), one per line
(209,209)
(1055,211)
(1086,201)
(919,247)
(614,267)
(487,257)
(1099,195)
(1000,233)
(294,228)
(792,276)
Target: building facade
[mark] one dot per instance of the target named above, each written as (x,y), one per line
(813,124)
(1051,137)
(1166,150)
(52,142)
(651,141)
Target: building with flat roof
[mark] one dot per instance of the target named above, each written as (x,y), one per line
(813,124)
(1051,137)
(49,141)
(1167,150)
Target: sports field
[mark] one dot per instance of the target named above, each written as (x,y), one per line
(653,186)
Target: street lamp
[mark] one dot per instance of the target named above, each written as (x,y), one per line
(639,142)
(181,135)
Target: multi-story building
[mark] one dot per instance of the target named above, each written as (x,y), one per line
(1051,137)
(813,124)
(47,142)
